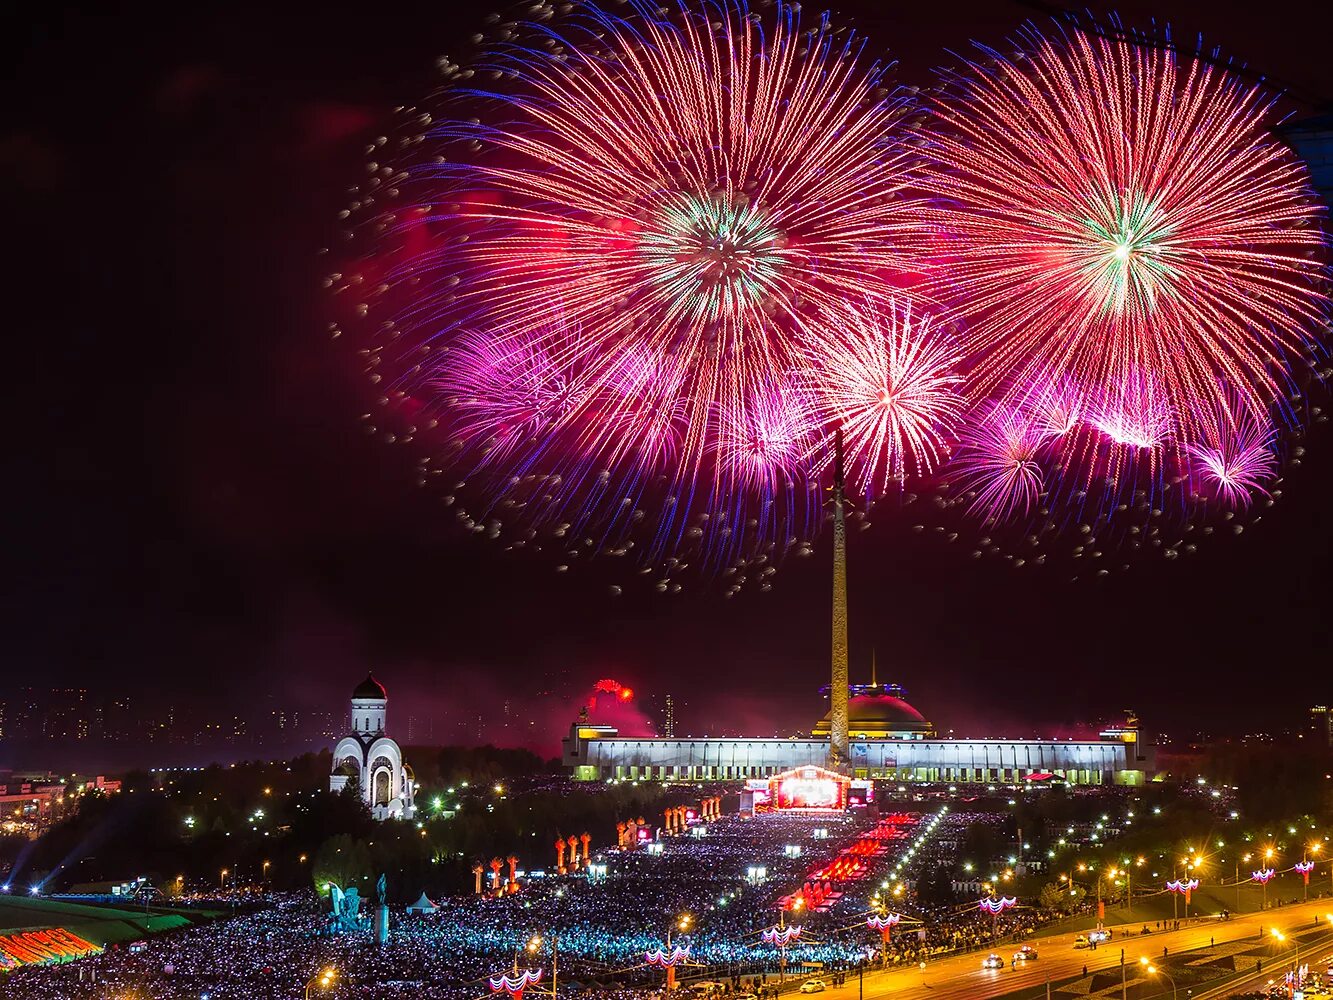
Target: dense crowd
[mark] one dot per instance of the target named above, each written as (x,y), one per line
(601,926)
(704,890)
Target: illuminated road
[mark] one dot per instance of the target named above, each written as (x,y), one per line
(962,977)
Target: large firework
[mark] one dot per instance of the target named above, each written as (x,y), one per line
(613,249)
(633,271)
(1117,221)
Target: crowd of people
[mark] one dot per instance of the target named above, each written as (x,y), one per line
(703,890)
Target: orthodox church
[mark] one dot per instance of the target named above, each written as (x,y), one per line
(372,760)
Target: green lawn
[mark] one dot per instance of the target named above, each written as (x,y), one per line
(102,925)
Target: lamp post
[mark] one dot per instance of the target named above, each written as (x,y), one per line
(1246,859)
(1268,856)
(222,879)
(1281,938)
(535,947)
(323,979)
(1154,970)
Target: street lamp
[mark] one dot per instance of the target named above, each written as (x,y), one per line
(1246,859)
(222,878)
(264,871)
(323,979)
(681,923)
(1153,970)
(1268,857)
(1281,939)
(535,948)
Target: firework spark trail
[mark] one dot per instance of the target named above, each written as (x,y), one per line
(766,439)
(1113,213)
(692,190)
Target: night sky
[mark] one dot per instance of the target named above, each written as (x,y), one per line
(195,513)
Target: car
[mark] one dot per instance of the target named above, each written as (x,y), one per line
(992,961)
(1099,936)
(1082,941)
(706,987)
(813,986)
(1025,954)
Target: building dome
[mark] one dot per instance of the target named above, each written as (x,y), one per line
(370,688)
(875,713)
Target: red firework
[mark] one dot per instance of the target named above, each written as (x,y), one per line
(1117,218)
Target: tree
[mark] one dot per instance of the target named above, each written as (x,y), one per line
(342,860)
(1061,898)
(935,887)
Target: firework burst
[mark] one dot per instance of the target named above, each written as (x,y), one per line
(997,467)
(1117,217)
(889,380)
(692,188)
(1236,456)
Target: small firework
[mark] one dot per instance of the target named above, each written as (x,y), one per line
(1236,458)
(890,381)
(997,460)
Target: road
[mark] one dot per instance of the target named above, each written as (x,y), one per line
(962,977)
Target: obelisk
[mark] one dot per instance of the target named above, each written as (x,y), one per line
(839,753)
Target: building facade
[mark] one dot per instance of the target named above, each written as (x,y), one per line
(598,753)
(370,760)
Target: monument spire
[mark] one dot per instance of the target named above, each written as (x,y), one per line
(839,751)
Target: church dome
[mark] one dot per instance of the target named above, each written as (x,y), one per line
(370,688)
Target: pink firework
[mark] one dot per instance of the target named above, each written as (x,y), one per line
(997,460)
(502,390)
(1235,458)
(693,187)
(1134,412)
(1057,407)
(890,381)
(762,443)
(1113,213)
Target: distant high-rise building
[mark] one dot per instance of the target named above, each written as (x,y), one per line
(282,725)
(420,730)
(117,722)
(25,721)
(325,725)
(1321,725)
(669,718)
(67,715)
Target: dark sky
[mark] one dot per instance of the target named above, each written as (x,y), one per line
(195,514)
